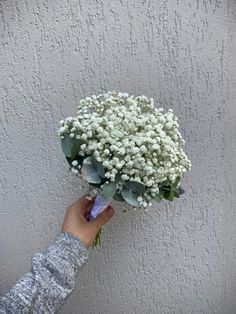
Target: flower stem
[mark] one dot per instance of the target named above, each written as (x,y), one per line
(97,240)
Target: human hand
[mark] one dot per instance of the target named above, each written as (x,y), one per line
(76,222)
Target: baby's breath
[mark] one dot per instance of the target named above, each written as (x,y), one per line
(128,135)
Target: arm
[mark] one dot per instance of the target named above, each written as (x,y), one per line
(44,289)
(53,273)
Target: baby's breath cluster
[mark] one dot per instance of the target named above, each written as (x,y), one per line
(133,140)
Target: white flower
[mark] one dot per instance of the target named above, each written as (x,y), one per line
(131,138)
(69,119)
(74,163)
(139,199)
(83,146)
(75,171)
(155,146)
(168,125)
(76,124)
(124,177)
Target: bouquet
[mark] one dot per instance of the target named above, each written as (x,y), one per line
(126,149)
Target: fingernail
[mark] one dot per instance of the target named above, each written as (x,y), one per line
(110,211)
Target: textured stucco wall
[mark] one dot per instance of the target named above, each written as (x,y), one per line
(178,258)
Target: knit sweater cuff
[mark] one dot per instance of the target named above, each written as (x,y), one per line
(68,251)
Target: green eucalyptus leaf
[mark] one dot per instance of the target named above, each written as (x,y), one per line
(67,143)
(75,149)
(89,173)
(136,187)
(168,195)
(171,196)
(108,190)
(174,185)
(165,195)
(118,177)
(165,183)
(118,197)
(130,197)
(98,166)
(88,160)
(180,190)
(165,188)
(69,161)
(176,194)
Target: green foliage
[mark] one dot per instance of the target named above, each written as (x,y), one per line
(168,194)
(131,191)
(176,182)
(118,178)
(180,190)
(75,149)
(70,146)
(169,190)
(118,197)
(98,167)
(67,143)
(69,160)
(134,186)
(108,190)
(92,171)
(130,197)
(89,174)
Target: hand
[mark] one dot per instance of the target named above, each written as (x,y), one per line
(75,221)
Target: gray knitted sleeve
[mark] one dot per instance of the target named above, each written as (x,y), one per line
(52,278)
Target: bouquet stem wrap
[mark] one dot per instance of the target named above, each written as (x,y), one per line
(99,205)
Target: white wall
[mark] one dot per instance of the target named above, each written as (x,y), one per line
(178,258)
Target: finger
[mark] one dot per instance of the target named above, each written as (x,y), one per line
(87,210)
(84,201)
(81,204)
(103,218)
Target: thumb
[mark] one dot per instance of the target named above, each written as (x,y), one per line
(103,218)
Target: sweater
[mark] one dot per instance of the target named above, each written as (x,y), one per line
(51,279)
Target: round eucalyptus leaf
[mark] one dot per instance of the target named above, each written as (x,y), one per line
(88,160)
(176,194)
(99,167)
(69,161)
(108,190)
(75,148)
(130,197)
(118,197)
(134,186)
(67,143)
(180,190)
(89,173)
